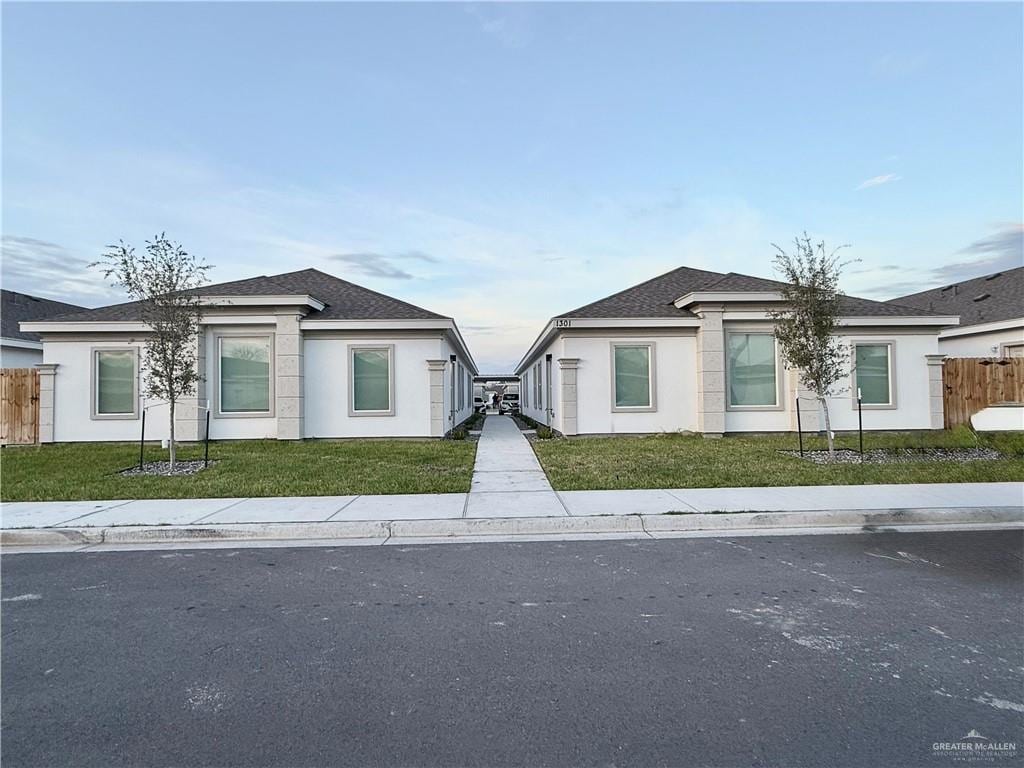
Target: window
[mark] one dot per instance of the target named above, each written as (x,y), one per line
(372,381)
(538,381)
(462,387)
(1013,350)
(872,373)
(633,377)
(244,366)
(115,384)
(526,389)
(751,367)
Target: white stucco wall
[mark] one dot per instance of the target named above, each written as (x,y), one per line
(327,383)
(675,375)
(910,376)
(325,389)
(537,410)
(19,357)
(72,408)
(981,344)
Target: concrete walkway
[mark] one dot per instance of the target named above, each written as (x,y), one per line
(483,505)
(507,478)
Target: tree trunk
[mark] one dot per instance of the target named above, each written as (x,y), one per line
(828,430)
(171,442)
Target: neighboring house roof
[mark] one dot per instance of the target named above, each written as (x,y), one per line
(16,307)
(655,297)
(343,300)
(986,299)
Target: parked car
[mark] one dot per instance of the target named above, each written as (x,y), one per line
(479,404)
(510,403)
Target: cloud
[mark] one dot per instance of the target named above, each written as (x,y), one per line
(877,181)
(509,24)
(381,265)
(1003,250)
(898,64)
(46,269)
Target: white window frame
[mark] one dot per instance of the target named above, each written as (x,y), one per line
(94,388)
(778,404)
(526,389)
(1006,346)
(218,412)
(652,378)
(890,344)
(352,349)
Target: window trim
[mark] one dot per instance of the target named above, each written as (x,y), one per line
(1006,346)
(219,413)
(652,377)
(94,389)
(352,349)
(891,345)
(779,404)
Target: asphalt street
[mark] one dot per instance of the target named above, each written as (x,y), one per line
(855,650)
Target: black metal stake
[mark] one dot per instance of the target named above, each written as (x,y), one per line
(860,426)
(799,428)
(142,440)
(206,447)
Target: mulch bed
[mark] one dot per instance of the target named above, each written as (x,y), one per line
(163,468)
(899,455)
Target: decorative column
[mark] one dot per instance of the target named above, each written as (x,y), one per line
(711,372)
(936,407)
(288,381)
(568,367)
(190,412)
(47,380)
(436,370)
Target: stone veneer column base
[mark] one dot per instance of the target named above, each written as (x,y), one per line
(936,404)
(436,370)
(47,382)
(569,367)
(288,382)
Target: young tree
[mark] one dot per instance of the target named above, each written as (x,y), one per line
(805,325)
(163,279)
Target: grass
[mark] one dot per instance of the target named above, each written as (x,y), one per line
(692,461)
(73,471)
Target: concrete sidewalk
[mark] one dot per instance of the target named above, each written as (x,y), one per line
(506,504)
(507,476)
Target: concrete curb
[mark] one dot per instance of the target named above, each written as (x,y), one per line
(482,528)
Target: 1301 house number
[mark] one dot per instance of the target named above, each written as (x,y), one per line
(561,323)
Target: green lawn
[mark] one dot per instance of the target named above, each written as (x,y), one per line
(244,468)
(691,461)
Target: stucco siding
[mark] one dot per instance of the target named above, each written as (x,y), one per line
(675,377)
(19,357)
(328,387)
(981,344)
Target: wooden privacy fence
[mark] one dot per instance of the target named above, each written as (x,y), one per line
(19,406)
(970,384)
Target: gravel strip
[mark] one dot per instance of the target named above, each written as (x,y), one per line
(899,455)
(164,468)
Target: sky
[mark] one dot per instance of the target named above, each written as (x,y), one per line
(505,163)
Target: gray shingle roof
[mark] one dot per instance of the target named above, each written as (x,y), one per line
(344,300)
(986,299)
(655,297)
(15,307)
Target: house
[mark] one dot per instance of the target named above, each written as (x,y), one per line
(991,310)
(297,355)
(18,348)
(694,350)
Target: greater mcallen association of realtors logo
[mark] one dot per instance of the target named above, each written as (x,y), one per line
(974,748)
